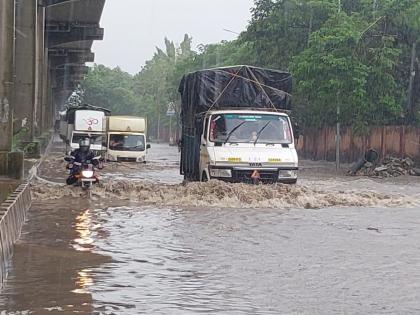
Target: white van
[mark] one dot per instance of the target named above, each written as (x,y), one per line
(126,138)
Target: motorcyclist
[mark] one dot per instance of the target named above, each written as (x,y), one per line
(81,155)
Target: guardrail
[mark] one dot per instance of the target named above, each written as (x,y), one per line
(12,216)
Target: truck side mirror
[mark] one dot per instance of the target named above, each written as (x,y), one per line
(148,146)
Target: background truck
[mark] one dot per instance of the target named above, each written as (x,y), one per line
(127,141)
(236,127)
(84,121)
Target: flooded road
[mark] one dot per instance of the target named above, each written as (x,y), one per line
(331,245)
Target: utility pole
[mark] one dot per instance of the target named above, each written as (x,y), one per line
(412,77)
(337,135)
(375,8)
(170,130)
(337,138)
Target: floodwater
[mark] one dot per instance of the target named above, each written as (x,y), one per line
(147,244)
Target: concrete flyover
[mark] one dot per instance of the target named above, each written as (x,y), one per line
(44,45)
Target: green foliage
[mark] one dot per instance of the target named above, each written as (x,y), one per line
(110,88)
(356,56)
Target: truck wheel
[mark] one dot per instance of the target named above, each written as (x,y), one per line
(204,177)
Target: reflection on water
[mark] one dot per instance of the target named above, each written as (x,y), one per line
(48,275)
(83,228)
(83,282)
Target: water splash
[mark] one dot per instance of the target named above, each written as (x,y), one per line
(225,195)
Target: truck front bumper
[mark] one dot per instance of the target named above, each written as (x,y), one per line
(245,174)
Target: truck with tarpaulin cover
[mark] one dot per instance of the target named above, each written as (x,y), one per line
(236,126)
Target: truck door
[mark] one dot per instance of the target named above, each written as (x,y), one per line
(204,156)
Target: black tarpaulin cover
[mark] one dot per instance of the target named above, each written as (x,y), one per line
(230,87)
(222,88)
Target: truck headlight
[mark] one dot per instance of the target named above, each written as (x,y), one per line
(220,172)
(287,174)
(87,174)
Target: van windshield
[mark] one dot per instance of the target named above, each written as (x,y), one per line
(127,143)
(250,128)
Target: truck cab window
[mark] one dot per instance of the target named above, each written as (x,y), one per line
(235,128)
(127,142)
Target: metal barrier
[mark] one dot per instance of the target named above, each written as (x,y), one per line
(12,217)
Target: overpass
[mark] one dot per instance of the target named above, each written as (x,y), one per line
(44,45)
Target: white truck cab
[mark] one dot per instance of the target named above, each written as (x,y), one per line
(88,124)
(127,141)
(245,145)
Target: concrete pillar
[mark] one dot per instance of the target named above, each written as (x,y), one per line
(26,76)
(45,101)
(11,163)
(7,21)
(39,83)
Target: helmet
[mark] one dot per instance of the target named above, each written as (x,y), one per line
(84,144)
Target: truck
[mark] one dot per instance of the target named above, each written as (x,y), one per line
(126,139)
(236,126)
(84,121)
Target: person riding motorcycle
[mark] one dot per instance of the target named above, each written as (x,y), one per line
(81,155)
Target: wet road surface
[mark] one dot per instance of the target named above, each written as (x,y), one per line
(114,256)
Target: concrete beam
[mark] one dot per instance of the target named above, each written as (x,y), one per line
(47,3)
(74,33)
(72,69)
(63,52)
(57,61)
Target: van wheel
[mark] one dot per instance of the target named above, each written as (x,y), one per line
(204,177)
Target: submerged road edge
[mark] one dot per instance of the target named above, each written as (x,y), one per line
(13,212)
(12,217)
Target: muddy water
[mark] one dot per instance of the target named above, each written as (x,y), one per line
(150,245)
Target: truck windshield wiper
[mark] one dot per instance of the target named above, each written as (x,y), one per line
(233,130)
(260,132)
(136,146)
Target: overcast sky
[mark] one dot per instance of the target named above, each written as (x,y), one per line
(133,28)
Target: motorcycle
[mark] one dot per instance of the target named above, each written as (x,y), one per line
(82,174)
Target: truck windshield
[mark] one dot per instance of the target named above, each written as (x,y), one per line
(94,139)
(244,128)
(127,143)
